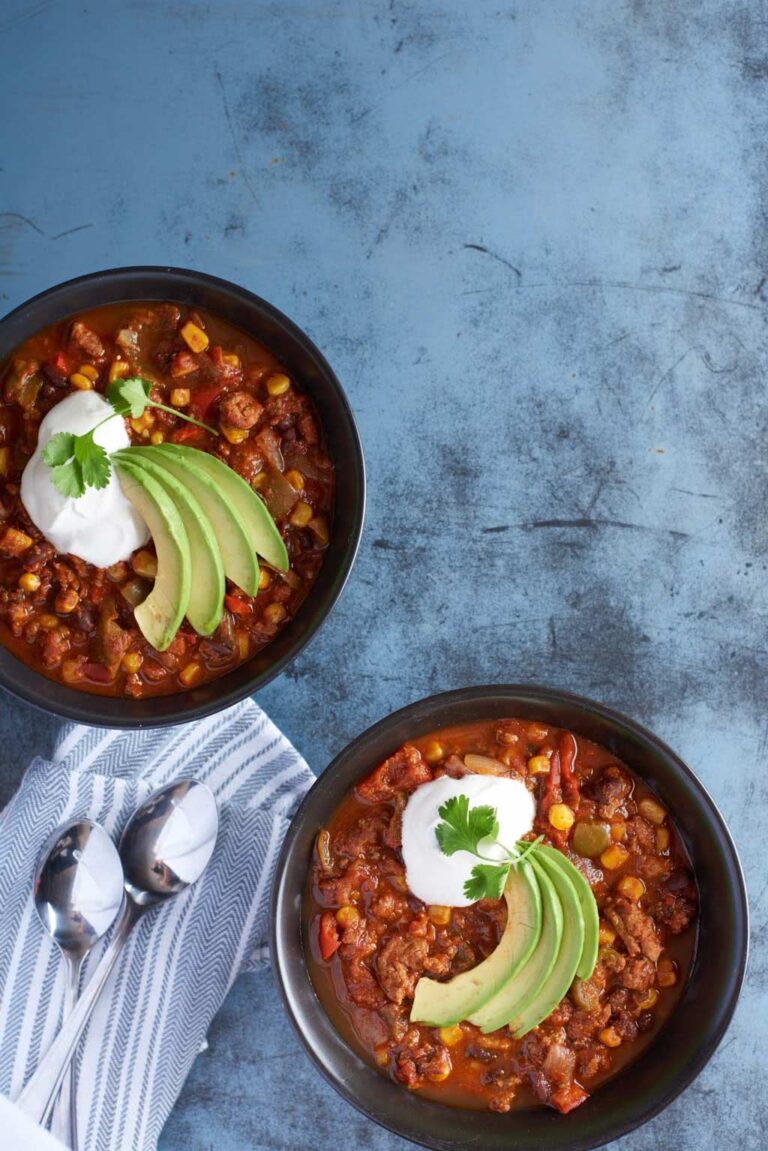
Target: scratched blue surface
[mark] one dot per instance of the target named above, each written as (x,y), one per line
(531,238)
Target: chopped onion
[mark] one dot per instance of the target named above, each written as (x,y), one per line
(484,765)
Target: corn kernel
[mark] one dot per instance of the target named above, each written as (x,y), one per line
(610,1037)
(295,479)
(5,459)
(195,338)
(301,515)
(450,1036)
(631,886)
(143,423)
(649,1000)
(278,384)
(234,435)
(48,622)
(614,856)
(382,1055)
(144,564)
(265,579)
(347,915)
(190,674)
(561,816)
(232,359)
(434,751)
(662,839)
(439,915)
(15,542)
(118,370)
(156,438)
(243,644)
(66,601)
(71,671)
(180,397)
(652,811)
(618,830)
(606,935)
(132,661)
(259,480)
(538,764)
(29,581)
(89,371)
(81,382)
(274,613)
(666,973)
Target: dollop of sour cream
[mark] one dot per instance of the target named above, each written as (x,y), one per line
(101,526)
(439,879)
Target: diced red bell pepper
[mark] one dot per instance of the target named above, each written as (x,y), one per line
(237,604)
(329,935)
(567,760)
(188,434)
(202,399)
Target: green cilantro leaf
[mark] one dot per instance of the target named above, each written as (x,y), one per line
(59,449)
(68,479)
(463,828)
(487,881)
(93,461)
(129,397)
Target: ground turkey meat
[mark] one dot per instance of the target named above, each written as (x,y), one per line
(84,340)
(635,928)
(403,771)
(240,410)
(638,974)
(400,964)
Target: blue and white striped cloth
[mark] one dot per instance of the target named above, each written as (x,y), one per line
(180,960)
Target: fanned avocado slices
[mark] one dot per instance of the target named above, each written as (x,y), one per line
(586,903)
(161,613)
(206,596)
(259,525)
(521,989)
(559,979)
(238,556)
(441,1004)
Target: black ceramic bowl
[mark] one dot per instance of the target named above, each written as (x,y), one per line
(686,1041)
(302,359)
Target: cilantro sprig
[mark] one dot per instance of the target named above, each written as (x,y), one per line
(79,462)
(476,830)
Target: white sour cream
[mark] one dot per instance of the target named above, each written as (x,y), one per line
(439,879)
(101,526)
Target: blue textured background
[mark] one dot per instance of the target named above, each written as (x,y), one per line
(530,237)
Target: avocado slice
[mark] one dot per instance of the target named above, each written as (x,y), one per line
(588,905)
(238,556)
(159,616)
(560,978)
(523,987)
(206,596)
(261,528)
(441,1004)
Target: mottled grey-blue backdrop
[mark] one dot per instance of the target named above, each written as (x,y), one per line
(530,237)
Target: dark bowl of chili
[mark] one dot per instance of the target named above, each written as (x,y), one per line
(293,349)
(688,1037)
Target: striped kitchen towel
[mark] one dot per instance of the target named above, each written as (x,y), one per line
(180,960)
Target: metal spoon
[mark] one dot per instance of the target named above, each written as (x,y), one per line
(165,847)
(78,891)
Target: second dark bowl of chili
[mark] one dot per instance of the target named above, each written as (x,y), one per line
(279,406)
(457,1100)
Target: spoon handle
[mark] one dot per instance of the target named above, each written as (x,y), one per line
(64,1117)
(39,1095)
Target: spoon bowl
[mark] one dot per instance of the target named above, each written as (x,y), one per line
(169,841)
(78,886)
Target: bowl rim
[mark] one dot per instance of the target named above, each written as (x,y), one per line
(288,965)
(48,695)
